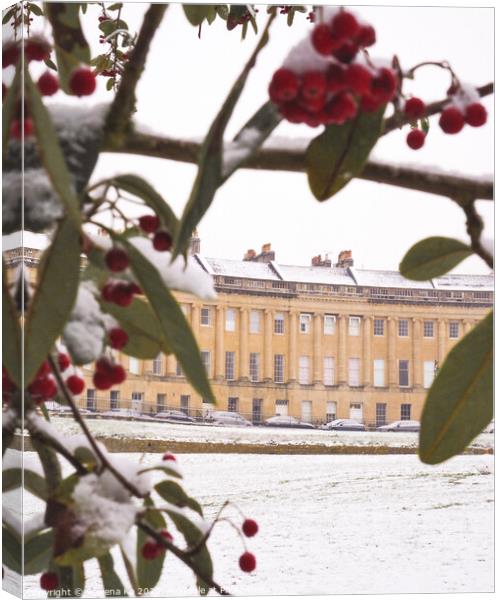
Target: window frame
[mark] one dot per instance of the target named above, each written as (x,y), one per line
(328,381)
(351,328)
(279,318)
(378,368)
(229,365)
(305,320)
(431,363)
(431,324)
(206,359)
(206,310)
(378,327)
(254,367)
(405,416)
(255,314)
(354,360)
(402,371)
(453,324)
(406,327)
(230,324)
(304,370)
(280,367)
(329,330)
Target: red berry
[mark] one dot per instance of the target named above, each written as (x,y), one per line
(133,288)
(250,527)
(49,581)
(358,78)
(166,534)
(36,50)
(415,139)
(102,381)
(75,384)
(149,223)
(63,361)
(82,82)
(384,84)
(370,104)
(312,105)
(168,456)
(10,54)
(346,52)
(48,388)
(476,115)
(150,550)
(323,40)
(293,113)
(17,130)
(121,294)
(414,108)
(247,562)
(335,78)
(344,25)
(118,338)
(104,365)
(341,108)
(48,84)
(451,120)
(284,86)
(43,370)
(366,36)
(118,375)
(162,241)
(116,260)
(313,85)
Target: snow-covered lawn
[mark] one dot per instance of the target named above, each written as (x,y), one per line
(249,435)
(338,524)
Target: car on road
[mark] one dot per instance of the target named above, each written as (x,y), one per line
(400,426)
(345,425)
(176,416)
(223,417)
(285,421)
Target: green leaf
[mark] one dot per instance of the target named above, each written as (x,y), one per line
(340,153)
(33,482)
(55,296)
(70,44)
(115,6)
(460,402)
(49,149)
(9,108)
(164,468)
(35,9)
(71,580)
(110,579)
(172,492)
(10,13)
(11,550)
(51,64)
(38,552)
(433,257)
(209,176)
(11,335)
(109,84)
(197,13)
(149,571)
(142,189)
(129,567)
(174,327)
(222,10)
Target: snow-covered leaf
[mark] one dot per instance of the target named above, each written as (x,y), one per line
(33,482)
(50,151)
(9,108)
(149,571)
(174,327)
(70,44)
(110,579)
(58,279)
(172,492)
(11,335)
(38,552)
(433,257)
(164,467)
(340,152)
(460,402)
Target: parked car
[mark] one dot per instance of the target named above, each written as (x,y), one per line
(125,413)
(222,417)
(174,415)
(400,426)
(285,421)
(345,425)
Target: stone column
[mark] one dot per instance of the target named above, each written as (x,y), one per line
(342,354)
(441,341)
(292,348)
(417,353)
(268,345)
(391,351)
(317,349)
(244,358)
(195,319)
(367,351)
(219,344)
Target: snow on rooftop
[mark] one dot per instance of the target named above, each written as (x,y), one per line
(480,283)
(388,279)
(242,268)
(326,275)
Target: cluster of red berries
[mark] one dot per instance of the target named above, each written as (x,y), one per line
(455,116)
(162,240)
(247,560)
(334,89)
(108,373)
(36,48)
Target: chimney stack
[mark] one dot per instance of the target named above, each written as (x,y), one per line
(266,255)
(345,259)
(250,254)
(317,261)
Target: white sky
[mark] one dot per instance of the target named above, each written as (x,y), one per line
(187,79)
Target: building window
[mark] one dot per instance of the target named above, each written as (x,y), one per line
(306,411)
(354,325)
(354,380)
(403,328)
(230,319)
(255,321)
(329,324)
(178,370)
(205,316)
(133,365)
(281,408)
(160,402)
(279,323)
(305,323)
(378,327)
(380,414)
(185,404)
(256,410)
(428,329)
(137,398)
(157,365)
(205,359)
(254,366)
(356,411)
(304,370)
(429,372)
(229,366)
(404,377)
(331,411)
(453,329)
(91,404)
(232,404)
(379,372)
(329,370)
(114,399)
(405,412)
(279,368)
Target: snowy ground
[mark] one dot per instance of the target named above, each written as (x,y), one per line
(339,524)
(248,435)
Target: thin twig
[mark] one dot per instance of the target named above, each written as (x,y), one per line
(474,229)
(81,421)
(186,559)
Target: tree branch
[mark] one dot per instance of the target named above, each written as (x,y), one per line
(123,105)
(474,229)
